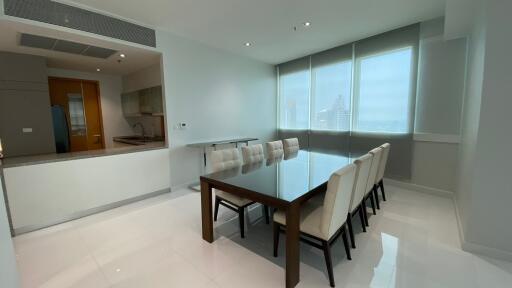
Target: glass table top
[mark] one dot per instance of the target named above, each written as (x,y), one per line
(287,178)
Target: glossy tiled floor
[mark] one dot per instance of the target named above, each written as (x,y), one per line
(412,242)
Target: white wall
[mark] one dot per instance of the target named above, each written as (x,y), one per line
(114,123)
(440,95)
(218,95)
(471,118)
(59,190)
(8,271)
(148,77)
(484,193)
(491,192)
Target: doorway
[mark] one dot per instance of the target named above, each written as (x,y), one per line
(82,125)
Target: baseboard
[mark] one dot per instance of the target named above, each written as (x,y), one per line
(459,222)
(185,185)
(438,138)
(419,188)
(477,248)
(88,212)
(487,251)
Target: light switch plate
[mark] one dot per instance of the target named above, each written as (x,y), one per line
(26,130)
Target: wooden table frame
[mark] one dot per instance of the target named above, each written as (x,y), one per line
(292,217)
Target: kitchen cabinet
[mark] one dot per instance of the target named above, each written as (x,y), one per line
(143,102)
(130,103)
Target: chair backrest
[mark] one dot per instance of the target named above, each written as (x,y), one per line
(274,149)
(377,153)
(291,145)
(337,200)
(247,168)
(363,165)
(253,153)
(225,159)
(383,161)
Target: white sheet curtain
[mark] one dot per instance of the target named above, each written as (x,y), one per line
(354,97)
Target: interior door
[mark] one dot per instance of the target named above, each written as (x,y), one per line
(80,101)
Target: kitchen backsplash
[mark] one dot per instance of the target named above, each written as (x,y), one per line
(152,125)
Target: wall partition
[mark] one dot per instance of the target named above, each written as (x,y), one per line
(354,97)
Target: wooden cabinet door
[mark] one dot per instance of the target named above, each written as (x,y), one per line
(67,93)
(95,139)
(80,100)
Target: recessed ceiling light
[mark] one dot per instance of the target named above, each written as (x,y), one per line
(247,44)
(118,270)
(122,55)
(98,69)
(307,24)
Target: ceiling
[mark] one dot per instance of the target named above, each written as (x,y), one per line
(136,58)
(268,24)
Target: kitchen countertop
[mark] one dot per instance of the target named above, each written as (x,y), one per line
(54,157)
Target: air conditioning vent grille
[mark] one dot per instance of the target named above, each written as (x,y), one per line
(36,41)
(76,18)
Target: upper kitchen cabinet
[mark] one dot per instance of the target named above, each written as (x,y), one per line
(131,104)
(143,102)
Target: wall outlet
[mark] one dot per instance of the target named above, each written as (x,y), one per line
(181,126)
(26,130)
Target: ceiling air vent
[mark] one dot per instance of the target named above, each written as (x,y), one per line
(60,14)
(36,41)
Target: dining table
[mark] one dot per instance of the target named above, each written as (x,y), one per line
(283,183)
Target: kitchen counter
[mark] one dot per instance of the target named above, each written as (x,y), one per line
(48,158)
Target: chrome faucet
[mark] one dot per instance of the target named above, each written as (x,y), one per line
(141,127)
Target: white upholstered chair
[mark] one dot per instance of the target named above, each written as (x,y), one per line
(370,186)
(274,149)
(253,154)
(324,222)
(363,165)
(224,160)
(379,182)
(290,145)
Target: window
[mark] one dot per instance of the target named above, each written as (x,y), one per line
(383,92)
(365,86)
(330,105)
(294,98)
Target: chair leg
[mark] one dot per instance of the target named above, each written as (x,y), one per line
(276,228)
(361,216)
(372,200)
(376,195)
(328,261)
(265,211)
(345,242)
(381,184)
(366,218)
(217,202)
(365,213)
(350,230)
(242,221)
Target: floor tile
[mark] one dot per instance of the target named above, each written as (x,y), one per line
(411,242)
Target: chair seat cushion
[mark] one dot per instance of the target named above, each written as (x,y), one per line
(310,219)
(238,201)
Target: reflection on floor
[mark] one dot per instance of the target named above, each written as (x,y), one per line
(412,242)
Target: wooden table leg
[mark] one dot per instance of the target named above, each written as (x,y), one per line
(292,245)
(206,211)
